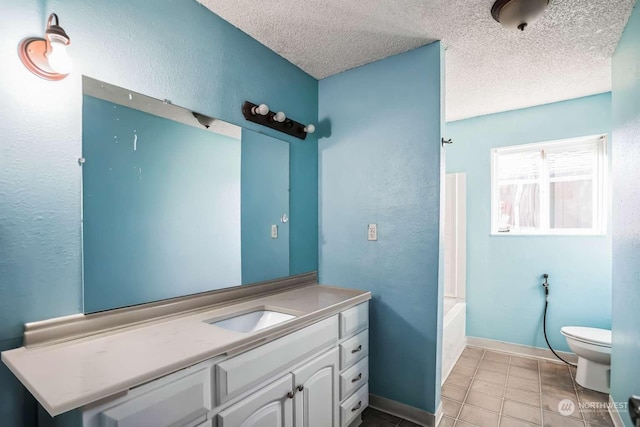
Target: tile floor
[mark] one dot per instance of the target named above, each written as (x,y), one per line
(488,388)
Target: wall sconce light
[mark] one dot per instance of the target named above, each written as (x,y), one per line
(277,121)
(47,57)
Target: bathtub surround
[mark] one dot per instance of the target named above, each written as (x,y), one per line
(118,42)
(505,299)
(625,369)
(380,163)
(454,334)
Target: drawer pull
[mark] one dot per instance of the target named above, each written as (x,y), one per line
(355,350)
(356,379)
(358,406)
(300,387)
(291,394)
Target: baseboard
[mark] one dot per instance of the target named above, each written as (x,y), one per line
(615,415)
(407,412)
(519,349)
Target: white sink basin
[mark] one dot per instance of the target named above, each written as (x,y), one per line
(254,321)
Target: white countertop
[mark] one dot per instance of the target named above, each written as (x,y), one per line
(69,375)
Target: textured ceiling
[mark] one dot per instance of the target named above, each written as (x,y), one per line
(565,54)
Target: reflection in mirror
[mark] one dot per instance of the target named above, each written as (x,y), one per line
(175,202)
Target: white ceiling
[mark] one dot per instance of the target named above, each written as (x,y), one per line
(565,54)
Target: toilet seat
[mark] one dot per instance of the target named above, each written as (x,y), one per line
(594,336)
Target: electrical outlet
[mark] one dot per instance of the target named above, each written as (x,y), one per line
(274,231)
(372,233)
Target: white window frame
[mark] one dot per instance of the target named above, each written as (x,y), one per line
(600,205)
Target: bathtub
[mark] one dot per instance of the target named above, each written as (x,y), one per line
(454,337)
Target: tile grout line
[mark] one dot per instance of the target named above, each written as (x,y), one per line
(575,390)
(504,390)
(469,387)
(540,392)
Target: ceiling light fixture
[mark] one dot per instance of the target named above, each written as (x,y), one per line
(517,13)
(47,57)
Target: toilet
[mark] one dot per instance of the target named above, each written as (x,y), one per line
(593,348)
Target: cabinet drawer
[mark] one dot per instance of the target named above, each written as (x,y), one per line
(354,319)
(354,349)
(238,374)
(184,402)
(353,406)
(354,377)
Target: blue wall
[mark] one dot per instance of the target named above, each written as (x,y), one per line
(625,370)
(265,197)
(165,49)
(381,164)
(161,219)
(505,298)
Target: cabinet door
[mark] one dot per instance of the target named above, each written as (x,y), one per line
(267,407)
(316,400)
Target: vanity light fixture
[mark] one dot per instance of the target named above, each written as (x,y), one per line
(47,57)
(261,115)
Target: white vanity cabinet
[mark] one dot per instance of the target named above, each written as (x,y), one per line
(307,397)
(314,377)
(270,406)
(316,388)
(354,366)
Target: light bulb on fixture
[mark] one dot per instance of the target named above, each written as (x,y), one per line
(59,60)
(518,13)
(279,117)
(47,57)
(310,128)
(262,109)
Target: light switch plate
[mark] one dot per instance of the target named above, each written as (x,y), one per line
(274,231)
(372,234)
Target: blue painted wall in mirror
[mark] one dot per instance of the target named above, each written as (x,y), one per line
(161,207)
(174,50)
(265,198)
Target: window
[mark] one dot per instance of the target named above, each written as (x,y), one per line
(549,188)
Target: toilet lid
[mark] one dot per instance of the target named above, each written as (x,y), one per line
(592,335)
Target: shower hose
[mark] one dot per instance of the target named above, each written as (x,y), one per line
(544,320)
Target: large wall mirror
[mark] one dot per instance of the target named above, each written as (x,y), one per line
(175,203)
